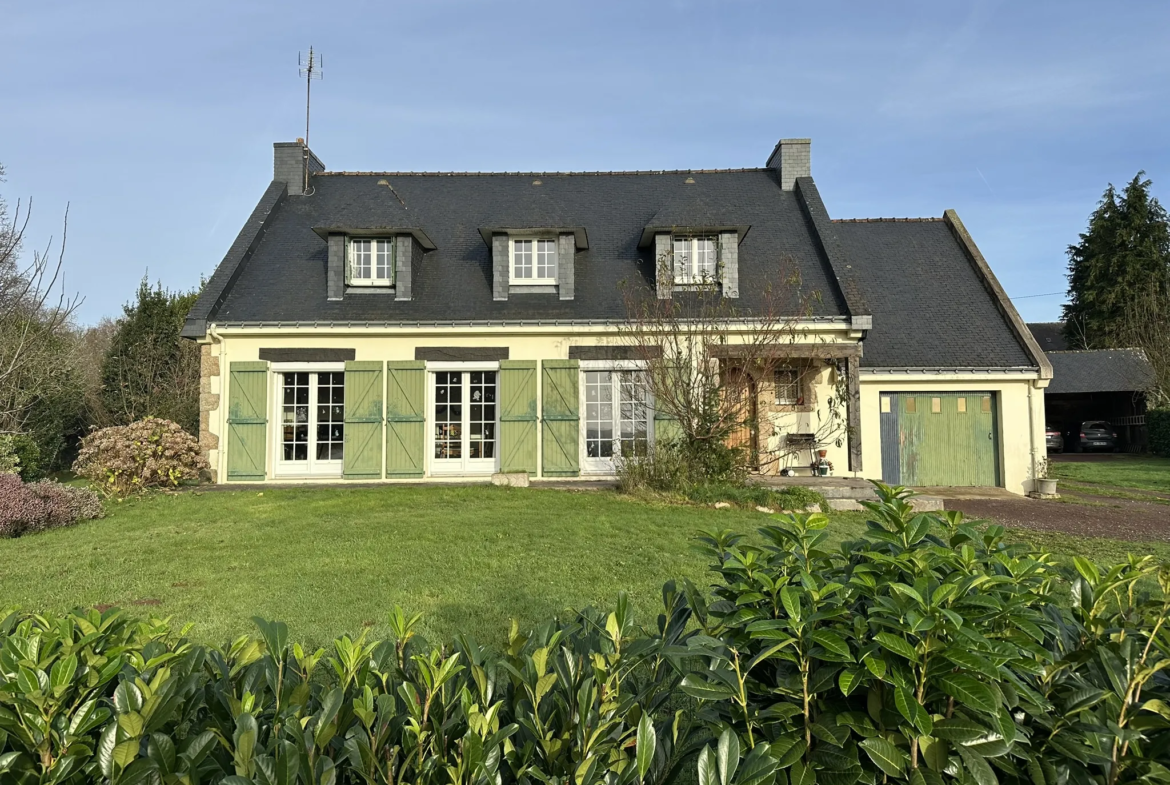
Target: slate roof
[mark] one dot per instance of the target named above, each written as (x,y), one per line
(285,277)
(1050,335)
(931,308)
(1100,370)
(930,305)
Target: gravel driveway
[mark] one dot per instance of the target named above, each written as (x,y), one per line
(1076,513)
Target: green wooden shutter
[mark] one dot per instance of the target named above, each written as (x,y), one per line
(247,423)
(363,420)
(518,416)
(559,388)
(666,427)
(406,403)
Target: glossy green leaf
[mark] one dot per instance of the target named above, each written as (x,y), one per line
(897,645)
(885,756)
(969,692)
(914,713)
(708,771)
(727,755)
(834,643)
(646,742)
(978,768)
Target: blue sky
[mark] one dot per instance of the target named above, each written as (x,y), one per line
(156,120)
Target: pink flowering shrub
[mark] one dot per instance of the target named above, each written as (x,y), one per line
(26,508)
(150,453)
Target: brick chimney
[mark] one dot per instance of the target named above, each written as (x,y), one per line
(290,160)
(792,158)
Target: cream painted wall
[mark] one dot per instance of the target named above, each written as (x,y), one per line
(553,342)
(1021,418)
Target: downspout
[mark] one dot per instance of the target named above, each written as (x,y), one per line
(1032,435)
(213,333)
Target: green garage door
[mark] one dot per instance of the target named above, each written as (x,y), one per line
(940,438)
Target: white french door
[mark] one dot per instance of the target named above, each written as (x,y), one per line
(616,417)
(310,416)
(464,415)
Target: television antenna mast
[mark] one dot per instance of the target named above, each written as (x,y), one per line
(310,67)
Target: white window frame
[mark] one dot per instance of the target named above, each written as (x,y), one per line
(311,467)
(461,467)
(691,275)
(534,279)
(351,268)
(607,466)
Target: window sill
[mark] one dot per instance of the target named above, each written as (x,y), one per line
(528,288)
(362,289)
(696,287)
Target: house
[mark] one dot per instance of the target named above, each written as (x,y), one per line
(1096,384)
(394,326)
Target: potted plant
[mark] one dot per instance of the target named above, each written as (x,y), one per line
(1045,485)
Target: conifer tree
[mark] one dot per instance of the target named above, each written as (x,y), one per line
(1119,279)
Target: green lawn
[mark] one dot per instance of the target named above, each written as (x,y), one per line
(330,561)
(1144,472)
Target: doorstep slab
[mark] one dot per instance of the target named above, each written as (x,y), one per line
(919,503)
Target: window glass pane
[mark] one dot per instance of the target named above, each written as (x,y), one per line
(522,259)
(448,415)
(936,405)
(911,405)
(482,417)
(546,259)
(598,414)
(704,269)
(682,259)
(361,255)
(384,260)
(330,412)
(961,404)
(633,423)
(294,417)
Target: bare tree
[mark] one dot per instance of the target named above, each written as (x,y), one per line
(704,358)
(35,314)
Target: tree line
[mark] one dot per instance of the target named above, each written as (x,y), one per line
(59,379)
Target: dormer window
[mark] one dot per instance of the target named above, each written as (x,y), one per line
(371,262)
(696,259)
(534,261)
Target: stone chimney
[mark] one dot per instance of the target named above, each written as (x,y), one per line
(292,163)
(792,158)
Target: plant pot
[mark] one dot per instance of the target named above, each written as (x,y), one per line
(1046,487)
(823,471)
(822,453)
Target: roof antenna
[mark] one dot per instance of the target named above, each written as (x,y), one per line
(310,68)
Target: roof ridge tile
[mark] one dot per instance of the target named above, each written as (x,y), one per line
(542,174)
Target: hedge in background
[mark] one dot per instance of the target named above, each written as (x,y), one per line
(927,652)
(1158,423)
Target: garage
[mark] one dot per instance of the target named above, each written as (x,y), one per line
(940,438)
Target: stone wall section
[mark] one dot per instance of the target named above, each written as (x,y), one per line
(209,396)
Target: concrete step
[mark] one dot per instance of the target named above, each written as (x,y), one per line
(919,503)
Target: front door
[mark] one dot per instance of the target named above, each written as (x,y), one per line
(311,413)
(740,399)
(464,422)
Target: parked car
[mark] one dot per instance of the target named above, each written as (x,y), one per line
(1053,439)
(1092,435)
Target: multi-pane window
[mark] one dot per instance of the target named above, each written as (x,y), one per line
(695,259)
(448,415)
(534,261)
(617,414)
(465,418)
(788,392)
(481,425)
(312,418)
(330,416)
(371,262)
